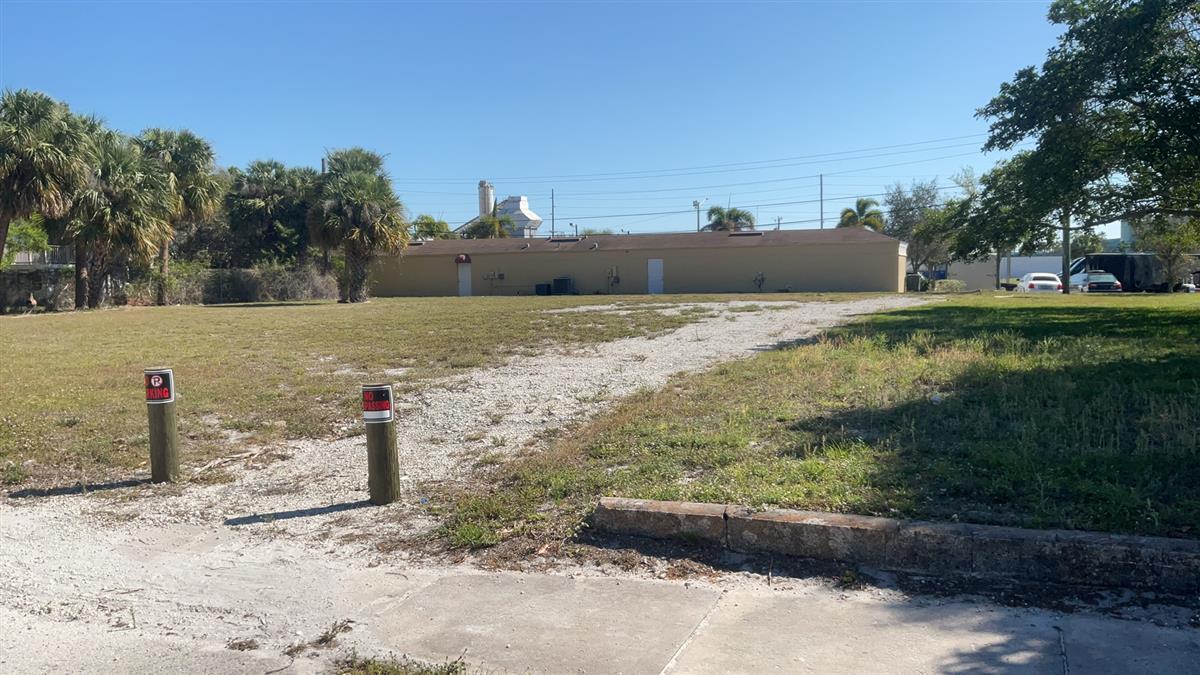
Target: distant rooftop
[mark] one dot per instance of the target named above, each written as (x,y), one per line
(631,242)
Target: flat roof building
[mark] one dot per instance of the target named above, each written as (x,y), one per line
(842,259)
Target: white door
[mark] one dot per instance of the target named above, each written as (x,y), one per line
(464,279)
(654,276)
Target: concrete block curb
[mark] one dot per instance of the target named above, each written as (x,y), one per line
(686,521)
(986,551)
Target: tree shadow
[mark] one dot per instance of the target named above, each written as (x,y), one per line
(1082,446)
(77,489)
(295,513)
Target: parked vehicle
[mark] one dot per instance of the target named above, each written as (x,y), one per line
(1095,281)
(1040,282)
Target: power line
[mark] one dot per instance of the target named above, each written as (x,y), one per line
(698,173)
(745,206)
(615,175)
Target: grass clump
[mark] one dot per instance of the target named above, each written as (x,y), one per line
(356,665)
(1074,412)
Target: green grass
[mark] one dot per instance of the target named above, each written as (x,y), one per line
(1078,412)
(70,384)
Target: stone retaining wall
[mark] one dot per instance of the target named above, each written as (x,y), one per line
(1059,556)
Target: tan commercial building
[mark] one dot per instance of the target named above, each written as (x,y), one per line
(843,259)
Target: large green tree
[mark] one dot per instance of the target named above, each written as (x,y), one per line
(43,157)
(188,163)
(1002,216)
(729,219)
(864,214)
(1112,114)
(915,216)
(356,209)
(123,212)
(1176,241)
(268,205)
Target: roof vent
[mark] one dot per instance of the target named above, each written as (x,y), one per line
(524,246)
(746,233)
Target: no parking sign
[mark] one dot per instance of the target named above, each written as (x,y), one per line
(160,385)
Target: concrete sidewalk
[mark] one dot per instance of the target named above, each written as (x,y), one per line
(169,598)
(558,624)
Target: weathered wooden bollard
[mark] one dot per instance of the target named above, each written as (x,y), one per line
(383,465)
(164,440)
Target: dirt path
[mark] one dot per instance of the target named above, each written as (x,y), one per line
(221,561)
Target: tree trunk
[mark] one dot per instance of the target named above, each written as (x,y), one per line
(1064,219)
(998,259)
(326,263)
(98,266)
(164,266)
(355,276)
(4,222)
(81,273)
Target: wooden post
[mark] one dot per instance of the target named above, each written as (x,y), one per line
(164,438)
(383,464)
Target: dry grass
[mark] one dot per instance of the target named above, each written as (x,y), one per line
(355,665)
(1079,412)
(70,397)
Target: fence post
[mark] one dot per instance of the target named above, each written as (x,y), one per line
(383,465)
(164,439)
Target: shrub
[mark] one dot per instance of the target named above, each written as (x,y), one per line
(949,286)
(193,284)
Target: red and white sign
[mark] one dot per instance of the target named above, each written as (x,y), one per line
(160,385)
(377,403)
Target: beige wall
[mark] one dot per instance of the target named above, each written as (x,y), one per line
(829,267)
(977,275)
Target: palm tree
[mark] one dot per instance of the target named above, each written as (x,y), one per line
(43,157)
(864,214)
(495,225)
(187,160)
(357,209)
(721,219)
(125,209)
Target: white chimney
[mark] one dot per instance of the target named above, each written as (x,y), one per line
(487,198)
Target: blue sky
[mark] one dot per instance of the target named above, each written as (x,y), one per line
(541,96)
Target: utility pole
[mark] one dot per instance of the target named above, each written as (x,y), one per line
(576,228)
(778,222)
(822,201)
(552,212)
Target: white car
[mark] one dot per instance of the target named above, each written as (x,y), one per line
(1039,282)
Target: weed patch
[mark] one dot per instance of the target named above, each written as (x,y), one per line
(1076,412)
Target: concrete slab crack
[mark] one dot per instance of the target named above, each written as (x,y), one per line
(1062,651)
(691,636)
